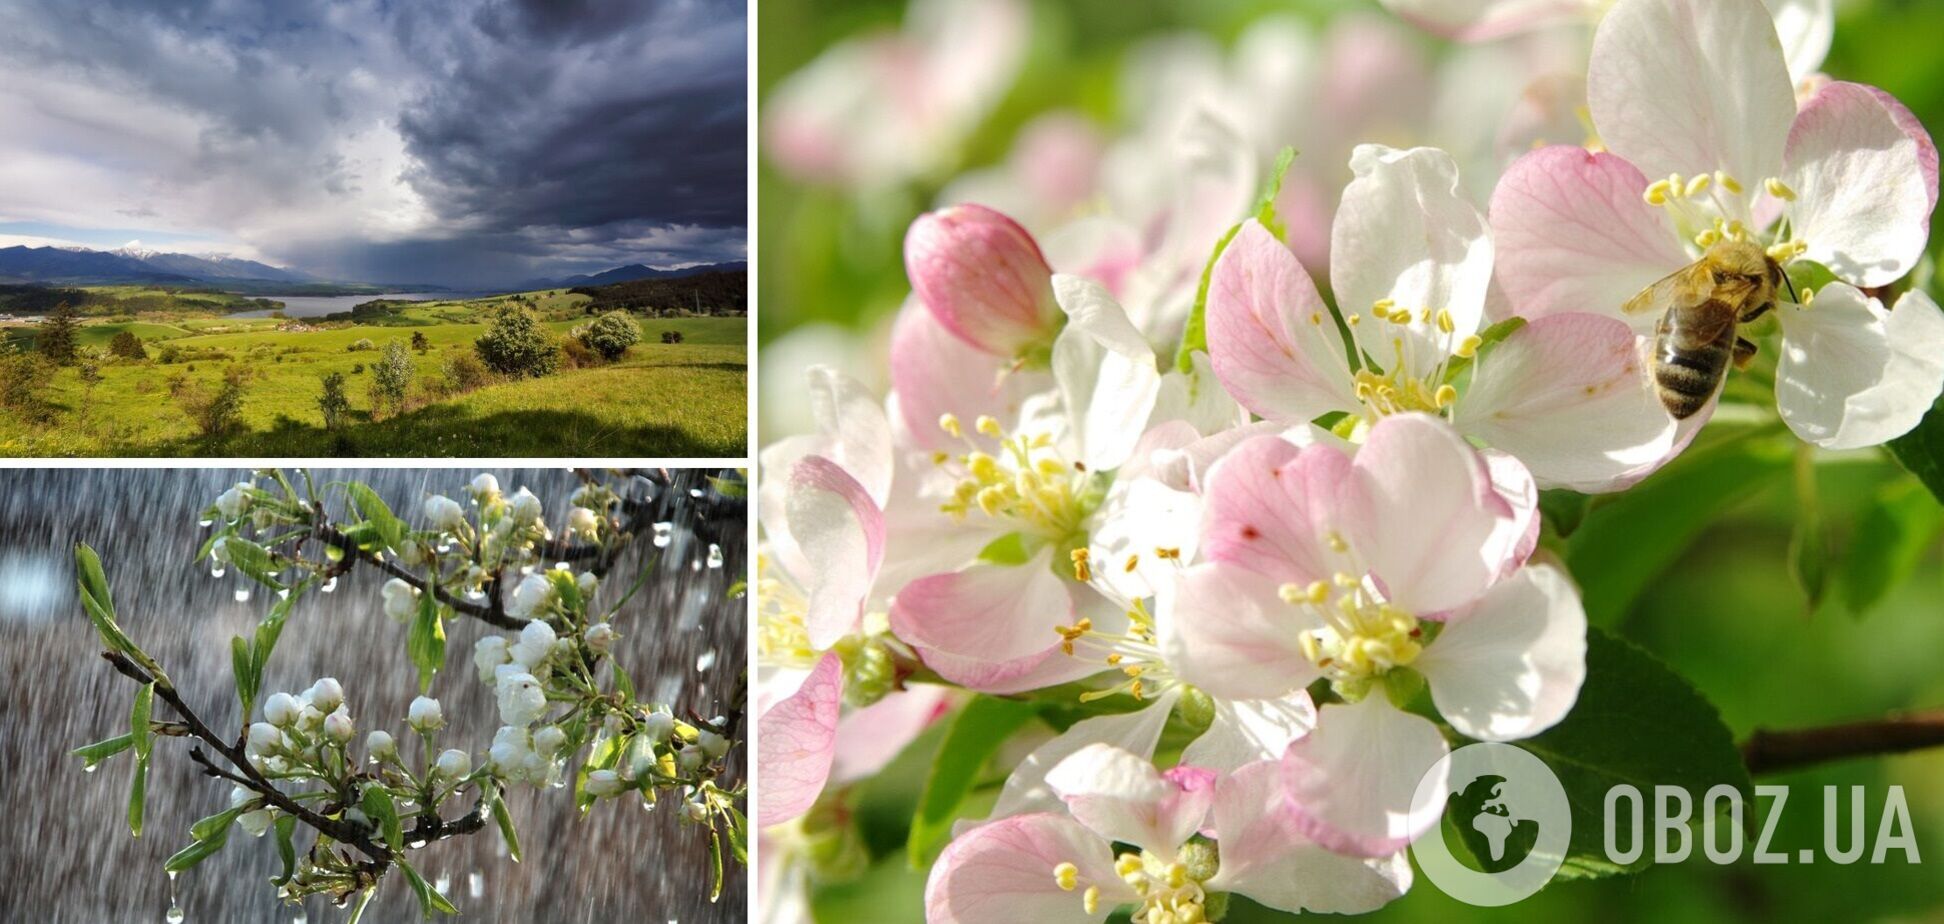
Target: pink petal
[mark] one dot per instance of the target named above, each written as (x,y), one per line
(1865,175)
(1484,20)
(934,373)
(1225,630)
(1136,732)
(1246,731)
(1510,666)
(1518,535)
(869,738)
(1692,86)
(798,735)
(1002,873)
(1574,235)
(991,627)
(1351,782)
(1266,858)
(1422,512)
(983,277)
(1268,506)
(840,532)
(1569,396)
(1271,341)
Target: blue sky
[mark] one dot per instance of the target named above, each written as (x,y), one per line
(463,143)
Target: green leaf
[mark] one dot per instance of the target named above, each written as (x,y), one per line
(623,684)
(1636,722)
(267,633)
(286,825)
(137,796)
(566,588)
(429,898)
(253,560)
(715,863)
(387,529)
(504,819)
(975,735)
(1563,510)
(1629,540)
(379,808)
(738,835)
(100,606)
(1921,451)
(1194,337)
(94,582)
(1891,537)
(427,642)
(1010,549)
(243,665)
(216,825)
(1487,338)
(92,754)
(138,720)
(195,853)
(1808,541)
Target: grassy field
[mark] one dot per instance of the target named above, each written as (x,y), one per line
(682,400)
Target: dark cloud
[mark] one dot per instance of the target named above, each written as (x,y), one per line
(468,142)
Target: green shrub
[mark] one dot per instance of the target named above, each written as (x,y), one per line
(391,378)
(610,334)
(127,346)
(360,345)
(464,372)
(516,345)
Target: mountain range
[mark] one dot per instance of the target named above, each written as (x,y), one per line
(81,266)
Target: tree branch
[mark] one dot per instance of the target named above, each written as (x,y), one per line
(1768,751)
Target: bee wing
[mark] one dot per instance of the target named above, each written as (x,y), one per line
(1689,285)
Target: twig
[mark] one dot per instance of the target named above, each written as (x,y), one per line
(1773,751)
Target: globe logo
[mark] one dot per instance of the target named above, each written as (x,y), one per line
(1509,811)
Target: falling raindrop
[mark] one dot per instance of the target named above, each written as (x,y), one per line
(705,661)
(242,594)
(715,555)
(216,569)
(663,533)
(175,914)
(300,918)
(443,884)
(330,584)
(205,522)
(695,492)
(560,566)
(475,885)
(283,593)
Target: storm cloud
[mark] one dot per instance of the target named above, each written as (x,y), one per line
(469,143)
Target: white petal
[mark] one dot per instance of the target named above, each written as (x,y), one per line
(1225,630)
(1806,28)
(852,426)
(1407,232)
(1422,512)
(1510,666)
(1854,375)
(1122,797)
(840,533)
(1136,732)
(1865,176)
(1569,396)
(1692,86)
(1106,370)
(1265,858)
(1249,730)
(1002,873)
(1137,518)
(1352,781)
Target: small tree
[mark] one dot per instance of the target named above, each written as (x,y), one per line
(516,345)
(464,372)
(217,413)
(57,339)
(23,376)
(335,407)
(671,336)
(610,334)
(391,377)
(419,342)
(127,346)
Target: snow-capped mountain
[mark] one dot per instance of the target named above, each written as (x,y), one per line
(80,265)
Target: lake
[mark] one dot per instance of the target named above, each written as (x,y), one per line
(317,306)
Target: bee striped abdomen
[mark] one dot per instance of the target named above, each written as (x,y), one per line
(1694,347)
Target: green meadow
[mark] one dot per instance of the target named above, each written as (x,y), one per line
(657,399)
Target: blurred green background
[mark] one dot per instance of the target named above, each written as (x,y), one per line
(1721,550)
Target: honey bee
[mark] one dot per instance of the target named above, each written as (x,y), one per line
(1703,306)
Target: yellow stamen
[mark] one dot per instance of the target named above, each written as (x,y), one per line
(1697,185)
(1067,875)
(1445,395)
(1082,569)
(988,426)
(950,424)
(1779,189)
(1728,182)
(1468,347)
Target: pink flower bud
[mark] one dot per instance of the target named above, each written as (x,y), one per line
(984,279)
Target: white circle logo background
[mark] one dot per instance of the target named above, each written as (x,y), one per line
(1530,791)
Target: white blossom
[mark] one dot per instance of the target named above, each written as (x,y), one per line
(234,502)
(658,726)
(381,745)
(600,637)
(326,694)
(488,654)
(455,763)
(444,513)
(281,709)
(521,700)
(604,783)
(425,714)
(533,592)
(337,726)
(536,641)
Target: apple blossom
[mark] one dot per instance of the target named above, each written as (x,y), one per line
(712,744)
(380,745)
(532,594)
(521,699)
(484,486)
(325,695)
(602,783)
(444,513)
(401,599)
(425,714)
(488,654)
(1847,179)
(338,727)
(454,763)
(523,508)
(1372,571)
(235,502)
(983,277)
(658,726)
(1064,866)
(537,639)
(582,522)
(1411,266)
(549,739)
(600,637)
(280,709)
(264,738)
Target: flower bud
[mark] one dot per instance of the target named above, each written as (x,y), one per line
(588,583)
(488,654)
(255,823)
(536,639)
(521,700)
(425,714)
(604,783)
(485,486)
(532,593)
(379,745)
(455,763)
(695,812)
(600,637)
(234,502)
(326,694)
(401,599)
(712,744)
(549,739)
(582,522)
(337,726)
(983,278)
(264,738)
(688,760)
(281,709)
(523,507)
(444,513)
(658,726)
(241,796)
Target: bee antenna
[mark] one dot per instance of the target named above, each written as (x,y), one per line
(1792,289)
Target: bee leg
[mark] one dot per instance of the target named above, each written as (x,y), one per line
(1744,353)
(1756,312)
